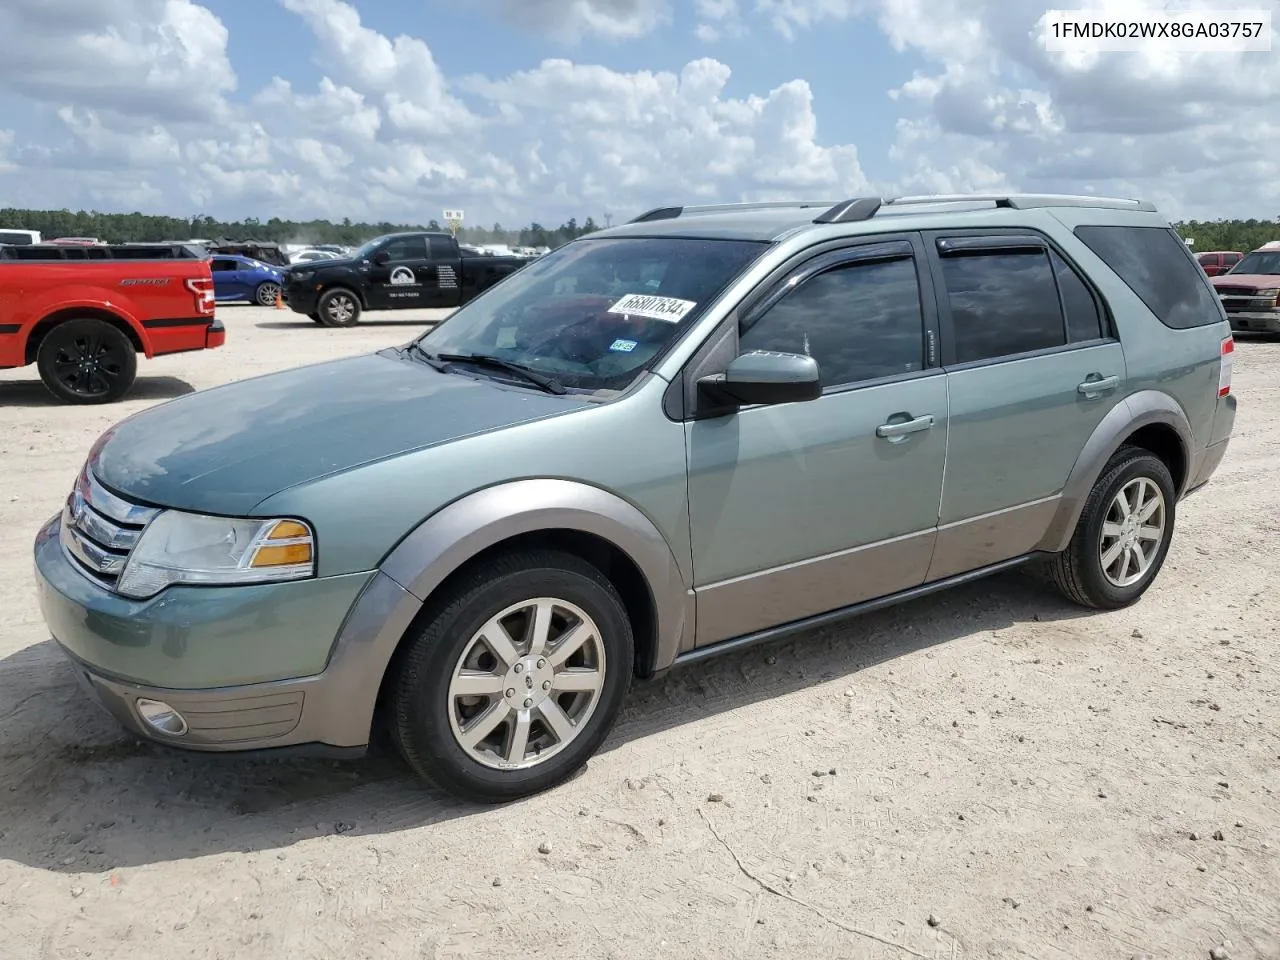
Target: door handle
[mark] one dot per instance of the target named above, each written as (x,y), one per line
(896,431)
(1092,388)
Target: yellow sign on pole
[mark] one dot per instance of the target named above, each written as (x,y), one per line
(454,219)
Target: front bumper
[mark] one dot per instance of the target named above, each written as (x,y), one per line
(1267,321)
(300,297)
(204,652)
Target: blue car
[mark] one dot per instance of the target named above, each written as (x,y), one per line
(241,278)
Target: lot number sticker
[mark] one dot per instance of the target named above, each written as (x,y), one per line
(655,308)
(622,346)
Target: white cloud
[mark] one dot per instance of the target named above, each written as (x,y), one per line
(146,88)
(161,59)
(574,20)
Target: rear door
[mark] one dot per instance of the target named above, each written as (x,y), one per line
(227,282)
(446,272)
(1033,365)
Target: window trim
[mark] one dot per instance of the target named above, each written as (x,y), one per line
(426,250)
(681,401)
(1006,240)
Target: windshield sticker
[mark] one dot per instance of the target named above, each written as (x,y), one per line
(655,308)
(622,346)
(506,338)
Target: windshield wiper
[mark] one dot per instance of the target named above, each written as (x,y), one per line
(415,348)
(549,384)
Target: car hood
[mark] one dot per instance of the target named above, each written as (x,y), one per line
(320,264)
(226,449)
(1259,281)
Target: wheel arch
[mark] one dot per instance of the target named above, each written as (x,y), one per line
(41,328)
(1151,420)
(598,526)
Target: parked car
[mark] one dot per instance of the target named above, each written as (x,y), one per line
(392,272)
(81,314)
(1250,289)
(262,251)
(77,241)
(309,256)
(18,238)
(1215,262)
(243,278)
(475,541)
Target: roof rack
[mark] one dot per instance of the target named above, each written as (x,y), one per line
(671,213)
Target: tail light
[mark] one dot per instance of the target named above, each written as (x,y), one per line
(1224,372)
(202,287)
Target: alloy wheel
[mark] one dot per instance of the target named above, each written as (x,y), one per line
(1132,532)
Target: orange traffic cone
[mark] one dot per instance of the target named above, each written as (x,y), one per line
(279,302)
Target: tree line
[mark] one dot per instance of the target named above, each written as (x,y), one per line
(1242,235)
(141,227)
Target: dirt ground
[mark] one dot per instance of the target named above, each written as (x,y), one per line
(987,773)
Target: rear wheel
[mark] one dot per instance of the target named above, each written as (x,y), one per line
(86,361)
(267,293)
(517,678)
(1123,534)
(338,308)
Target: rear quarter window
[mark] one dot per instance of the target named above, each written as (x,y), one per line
(1157,266)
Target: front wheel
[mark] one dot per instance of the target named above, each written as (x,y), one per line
(516,680)
(86,361)
(1123,534)
(338,308)
(267,293)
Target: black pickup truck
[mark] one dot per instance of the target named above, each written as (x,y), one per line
(392,272)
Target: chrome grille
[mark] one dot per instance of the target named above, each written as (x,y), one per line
(99,529)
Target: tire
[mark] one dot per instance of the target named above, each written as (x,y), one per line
(1078,572)
(338,307)
(86,360)
(266,293)
(429,718)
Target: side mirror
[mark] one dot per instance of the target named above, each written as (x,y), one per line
(763,377)
(381,257)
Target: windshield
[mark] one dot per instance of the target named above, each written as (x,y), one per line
(594,313)
(1260,263)
(365,250)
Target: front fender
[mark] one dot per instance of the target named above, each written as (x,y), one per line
(1139,410)
(449,538)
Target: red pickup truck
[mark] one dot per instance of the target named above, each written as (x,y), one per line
(82,314)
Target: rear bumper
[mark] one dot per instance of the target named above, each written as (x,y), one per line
(216,335)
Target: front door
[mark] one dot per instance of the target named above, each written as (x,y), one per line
(1032,368)
(801,508)
(403,278)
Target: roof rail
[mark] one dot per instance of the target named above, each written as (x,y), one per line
(671,213)
(1025,201)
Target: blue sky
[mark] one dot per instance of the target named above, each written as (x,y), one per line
(522,110)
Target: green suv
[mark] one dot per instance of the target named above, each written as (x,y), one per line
(692,432)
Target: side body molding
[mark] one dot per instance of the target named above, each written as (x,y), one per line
(1142,409)
(449,538)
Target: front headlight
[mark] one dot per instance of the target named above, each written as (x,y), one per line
(1270,294)
(189,548)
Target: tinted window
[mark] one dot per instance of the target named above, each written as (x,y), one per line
(1155,264)
(1083,320)
(410,248)
(223,266)
(442,249)
(17,239)
(1002,304)
(859,321)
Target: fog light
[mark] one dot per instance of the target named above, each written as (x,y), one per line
(161,717)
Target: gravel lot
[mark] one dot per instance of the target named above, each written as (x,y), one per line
(988,773)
